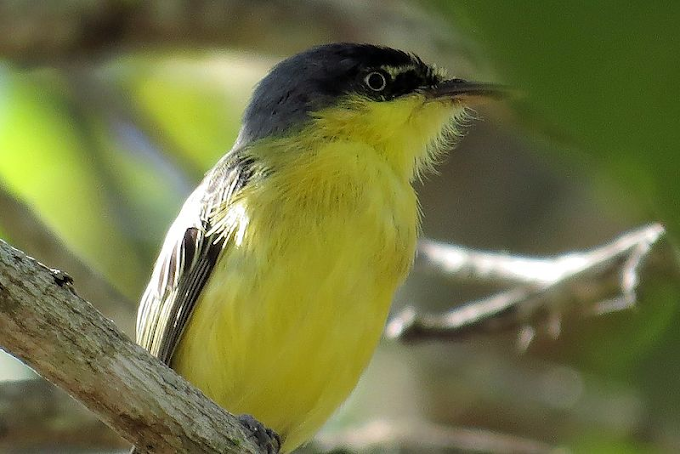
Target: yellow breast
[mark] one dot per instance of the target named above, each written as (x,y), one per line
(297,302)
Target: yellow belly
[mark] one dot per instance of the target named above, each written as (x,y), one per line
(296,305)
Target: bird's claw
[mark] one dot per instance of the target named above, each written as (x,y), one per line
(267,439)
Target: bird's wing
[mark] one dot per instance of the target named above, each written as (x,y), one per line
(191,249)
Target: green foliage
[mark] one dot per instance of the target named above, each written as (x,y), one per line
(45,162)
(604,74)
(185,100)
(594,443)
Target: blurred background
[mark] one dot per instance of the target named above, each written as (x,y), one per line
(111,111)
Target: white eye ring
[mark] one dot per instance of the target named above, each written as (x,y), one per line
(375,81)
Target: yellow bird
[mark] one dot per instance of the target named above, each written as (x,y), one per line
(274,282)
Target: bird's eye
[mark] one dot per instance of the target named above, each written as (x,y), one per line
(375,81)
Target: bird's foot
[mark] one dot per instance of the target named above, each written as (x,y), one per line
(267,439)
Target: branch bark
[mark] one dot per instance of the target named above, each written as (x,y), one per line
(44,323)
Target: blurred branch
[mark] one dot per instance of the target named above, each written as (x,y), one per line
(601,280)
(57,30)
(38,415)
(423,437)
(461,264)
(44,323)
(31,234)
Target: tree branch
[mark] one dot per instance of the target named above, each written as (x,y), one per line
(601,280)
(44,323)
(59,30)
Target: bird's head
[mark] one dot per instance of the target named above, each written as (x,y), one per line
(387,99)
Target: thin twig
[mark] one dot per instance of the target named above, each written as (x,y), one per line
(460,263)
(44,323)
(601,280)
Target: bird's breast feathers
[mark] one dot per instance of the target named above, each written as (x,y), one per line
(301,292)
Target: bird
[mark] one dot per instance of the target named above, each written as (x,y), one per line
(274,283)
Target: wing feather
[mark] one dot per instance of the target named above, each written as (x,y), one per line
(190,251)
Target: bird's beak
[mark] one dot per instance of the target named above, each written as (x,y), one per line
(459,89)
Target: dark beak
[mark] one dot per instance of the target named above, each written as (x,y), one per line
(462,89)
